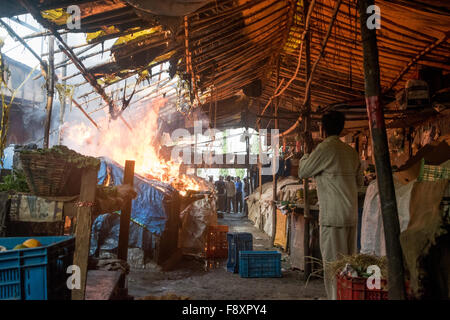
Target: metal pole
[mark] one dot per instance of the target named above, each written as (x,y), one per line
(381,155)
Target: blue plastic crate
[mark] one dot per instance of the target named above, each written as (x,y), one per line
(237,241)
(36,273)
(260,264)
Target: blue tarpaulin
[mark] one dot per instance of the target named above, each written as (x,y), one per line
(149,211)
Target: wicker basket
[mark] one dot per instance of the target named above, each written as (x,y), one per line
(46,174)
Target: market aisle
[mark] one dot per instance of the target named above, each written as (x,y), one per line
(192,280)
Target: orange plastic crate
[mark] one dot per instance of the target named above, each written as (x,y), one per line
(216,242)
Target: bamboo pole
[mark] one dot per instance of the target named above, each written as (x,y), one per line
(62,107)
(307,149)
(307,24)
(260,154)
(69,53)
(67,62)
(381,154)
(43,65)
(275,159)
(85,113)
(14,35)
(414,60)
(46,33)
(313,69)
(50,91)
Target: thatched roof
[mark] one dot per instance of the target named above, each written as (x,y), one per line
(238,47)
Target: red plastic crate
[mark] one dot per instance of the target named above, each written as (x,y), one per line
(216,242)
(356,289)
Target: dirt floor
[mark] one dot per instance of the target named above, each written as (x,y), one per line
(193,279)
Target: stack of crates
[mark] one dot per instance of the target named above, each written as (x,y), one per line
(260,264)
(36,273)
(216,242)
(237,241)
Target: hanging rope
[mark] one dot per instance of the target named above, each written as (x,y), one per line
(313,69)
(279,92)
(189,68)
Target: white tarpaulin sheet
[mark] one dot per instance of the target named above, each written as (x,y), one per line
(195,220)
(260,206)
(372,232)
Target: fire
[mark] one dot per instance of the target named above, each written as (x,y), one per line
(117,142)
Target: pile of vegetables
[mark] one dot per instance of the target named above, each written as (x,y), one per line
(359,263)
(68,155)
(15,181)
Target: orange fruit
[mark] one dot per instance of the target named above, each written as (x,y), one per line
(32,243)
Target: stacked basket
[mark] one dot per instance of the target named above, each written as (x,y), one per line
(47,171)
(46,174)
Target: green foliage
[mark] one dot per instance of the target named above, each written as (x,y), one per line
(14,182)
(223,172)
(240,173)
(66,154)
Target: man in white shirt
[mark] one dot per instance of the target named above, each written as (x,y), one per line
(336,169)
(231,194)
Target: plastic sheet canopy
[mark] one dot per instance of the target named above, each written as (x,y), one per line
(150,211)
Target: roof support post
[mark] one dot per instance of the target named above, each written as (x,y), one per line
(307,147)
(275,158)
(381,154)
(50,90)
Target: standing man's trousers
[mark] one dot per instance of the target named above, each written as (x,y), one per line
(335,241)
(231,203)
(239,202)
(222,199)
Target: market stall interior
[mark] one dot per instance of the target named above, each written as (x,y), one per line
(157,146)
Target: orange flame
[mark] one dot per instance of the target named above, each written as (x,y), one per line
(117,142)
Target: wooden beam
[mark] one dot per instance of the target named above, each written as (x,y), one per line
(125,215)
(83,227)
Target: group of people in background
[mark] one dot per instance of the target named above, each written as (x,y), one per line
(231,192)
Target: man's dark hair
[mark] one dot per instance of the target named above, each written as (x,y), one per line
(333,123)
